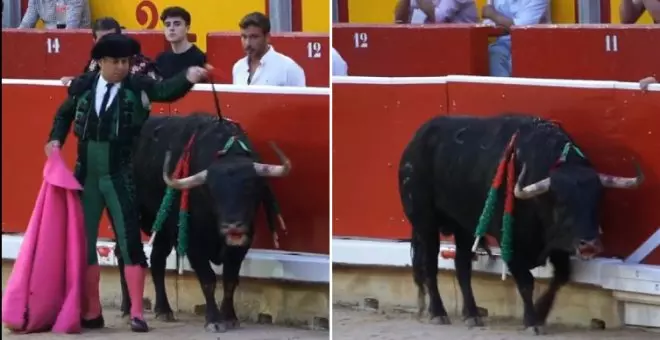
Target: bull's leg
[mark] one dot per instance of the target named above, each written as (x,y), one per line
(231,268)
(463,265)
(562,271)
(525,283)
(207,280)
(430,249)
(162,248)
(416,244)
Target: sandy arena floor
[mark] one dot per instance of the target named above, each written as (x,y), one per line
(187,328)
(352,324)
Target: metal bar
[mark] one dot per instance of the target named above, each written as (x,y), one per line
(588,11)
(280,15)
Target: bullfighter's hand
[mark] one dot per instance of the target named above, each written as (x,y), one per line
(50,146)
(198,74)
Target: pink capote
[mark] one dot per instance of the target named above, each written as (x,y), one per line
(45,288)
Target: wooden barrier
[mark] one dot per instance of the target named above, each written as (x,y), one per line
(52,54)
(413,50)
(374,118)
(310,51)
(598,52)
(295,118)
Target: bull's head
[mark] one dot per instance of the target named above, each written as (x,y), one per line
(235,187)
(576,190)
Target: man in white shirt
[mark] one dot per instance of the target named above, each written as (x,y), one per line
(262,65)
(508,13)
(339,66)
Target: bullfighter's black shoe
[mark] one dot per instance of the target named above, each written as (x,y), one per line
(139,326)
(95,323)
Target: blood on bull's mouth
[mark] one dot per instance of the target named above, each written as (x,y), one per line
(587,250)
(235,236)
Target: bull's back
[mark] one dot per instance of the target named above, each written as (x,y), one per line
(449,164)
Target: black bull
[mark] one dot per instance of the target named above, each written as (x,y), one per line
(227,186)
(445,173)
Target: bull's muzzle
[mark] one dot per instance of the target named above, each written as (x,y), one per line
(587,250)
(235,234)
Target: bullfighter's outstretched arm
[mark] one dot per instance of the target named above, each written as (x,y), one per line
(62,122)
(167,90)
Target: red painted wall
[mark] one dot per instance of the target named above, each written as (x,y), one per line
(297,123)
(373,123)
(603,52)
(413,50)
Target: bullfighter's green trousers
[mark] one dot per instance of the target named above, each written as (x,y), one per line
(107,185)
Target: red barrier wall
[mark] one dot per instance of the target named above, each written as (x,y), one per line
(413,50)
(310,51)
(611,126)
(297,123)
(52,54)
(599,52)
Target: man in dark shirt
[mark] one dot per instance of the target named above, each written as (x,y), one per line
(139,63)
(183,54)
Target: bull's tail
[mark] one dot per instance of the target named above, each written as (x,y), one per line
(417,256)
(271,207)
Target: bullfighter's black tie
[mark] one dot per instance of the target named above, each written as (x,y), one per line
(106,98)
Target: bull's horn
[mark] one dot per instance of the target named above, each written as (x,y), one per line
(268,170)
(531,190)
(182,183)
(623,182)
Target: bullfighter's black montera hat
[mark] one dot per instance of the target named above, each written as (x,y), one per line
(115,45)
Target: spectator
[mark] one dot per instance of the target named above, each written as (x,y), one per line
(507,13)
(339,66)
(435,11)
(139,63)
(262,65)
(184,54)
(644,83)
(631,10)
(76,14)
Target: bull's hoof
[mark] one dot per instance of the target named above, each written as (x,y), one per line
(441,320)
(232,324)
(139,325)
(215,327)
(536,330)
(483,312)
(472,322)
(166,317)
